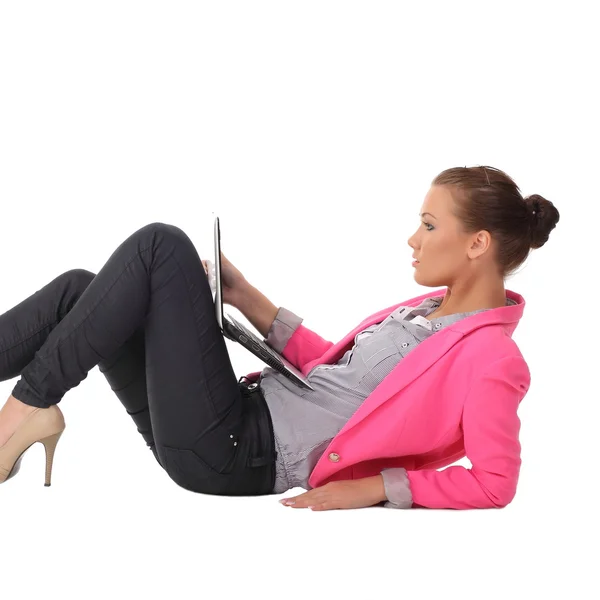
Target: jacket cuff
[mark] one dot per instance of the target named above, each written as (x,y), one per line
(397,488)
(283,327)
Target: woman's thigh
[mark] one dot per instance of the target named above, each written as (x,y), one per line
(194,400)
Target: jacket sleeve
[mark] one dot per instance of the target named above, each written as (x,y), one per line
(294,341)
(491,436)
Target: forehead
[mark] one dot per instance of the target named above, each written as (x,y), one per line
(437,201)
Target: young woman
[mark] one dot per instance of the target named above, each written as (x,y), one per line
(410,389)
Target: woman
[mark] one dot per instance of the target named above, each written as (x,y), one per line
(381,420)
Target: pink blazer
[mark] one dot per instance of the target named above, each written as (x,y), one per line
(455,395)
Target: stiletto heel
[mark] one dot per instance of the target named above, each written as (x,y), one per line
(44,425)
(50,445)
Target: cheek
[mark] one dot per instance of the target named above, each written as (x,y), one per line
(445,245)
(437,246)
(442,253)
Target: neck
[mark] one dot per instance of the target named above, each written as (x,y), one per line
(470,296)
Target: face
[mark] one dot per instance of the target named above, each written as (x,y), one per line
(446,254)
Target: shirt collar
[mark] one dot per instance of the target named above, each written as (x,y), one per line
(429,305)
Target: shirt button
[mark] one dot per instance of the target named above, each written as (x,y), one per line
(404,344)
(333,457)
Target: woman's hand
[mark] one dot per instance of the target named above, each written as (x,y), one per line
(234,283)
(356,493)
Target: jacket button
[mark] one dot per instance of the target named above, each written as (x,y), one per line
(333,457)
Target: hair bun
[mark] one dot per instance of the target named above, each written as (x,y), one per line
(543,216)
(533,203)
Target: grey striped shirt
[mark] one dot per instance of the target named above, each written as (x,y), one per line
(305,421)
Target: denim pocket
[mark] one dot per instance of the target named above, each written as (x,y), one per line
(189,471)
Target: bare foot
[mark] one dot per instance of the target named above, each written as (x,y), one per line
(11,415)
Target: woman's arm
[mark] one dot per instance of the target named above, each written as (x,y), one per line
(491,428)
(257,308)
(491,435)
(281,328)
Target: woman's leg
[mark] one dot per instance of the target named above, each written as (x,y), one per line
(25,328)
(155,281)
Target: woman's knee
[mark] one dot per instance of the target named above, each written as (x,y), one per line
(80,278)
(163,228)
(153,235)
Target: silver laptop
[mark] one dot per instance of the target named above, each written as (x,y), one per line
(234,330)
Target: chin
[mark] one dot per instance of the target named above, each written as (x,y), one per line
(427,283)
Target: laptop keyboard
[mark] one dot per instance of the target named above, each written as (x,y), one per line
(275,361)
(252,336)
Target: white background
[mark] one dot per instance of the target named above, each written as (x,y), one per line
(314,130)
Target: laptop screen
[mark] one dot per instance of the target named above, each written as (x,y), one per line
(218,283)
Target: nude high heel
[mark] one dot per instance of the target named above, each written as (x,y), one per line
(44,425)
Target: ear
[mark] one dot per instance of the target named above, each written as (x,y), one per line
(480,244)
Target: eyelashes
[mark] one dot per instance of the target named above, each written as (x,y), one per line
(427,225)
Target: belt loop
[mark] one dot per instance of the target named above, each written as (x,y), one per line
(261,461)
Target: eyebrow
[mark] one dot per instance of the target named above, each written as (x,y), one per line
(426,213)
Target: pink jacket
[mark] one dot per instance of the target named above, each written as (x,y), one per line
(455,395)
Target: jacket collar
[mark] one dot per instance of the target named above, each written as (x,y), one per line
(507,316)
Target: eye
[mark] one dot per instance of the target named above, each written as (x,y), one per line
(427,225)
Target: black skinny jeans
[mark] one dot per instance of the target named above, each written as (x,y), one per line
(147,320)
